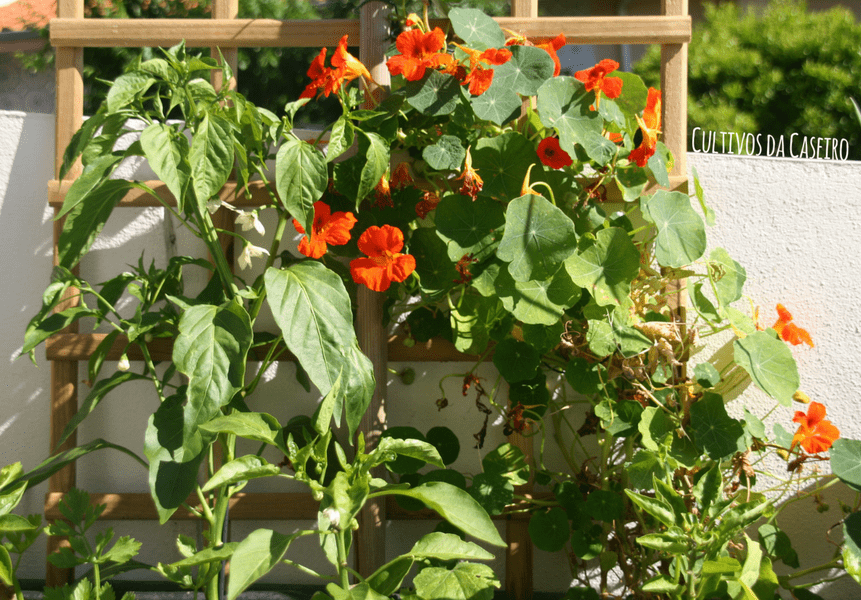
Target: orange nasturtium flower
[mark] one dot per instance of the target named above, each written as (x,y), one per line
(650,125)
(328,228)
(346,68)
(428,203)
(472,183)
(815,432)
(789,331)
(551,153)
(384,263)
(595,79)
(479,77)
(419,51)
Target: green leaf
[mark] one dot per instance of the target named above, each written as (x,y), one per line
(208,555)
(211,349)
(435,94)
(643,467)
(258,427)
(123,551)
(606,267)
(387,579)
(436,272)
(241,469)
(538,238)
(698,190)
(12,523)
(86,219)
(40,330)
(447,154)
(469,227)
(301,177)
(210,157)
(713,429)
(706,375)
(466,581)
(852,545)
(708,487)
(537,302)
(604,505)
(563,104)
(446,443)
(447,546)
(681,238)
(7,569)
(662,584)
(166,150)
(457,507)
(730,276)
(516,360)
(469,323)
(778,545)
(673,541)
(632,181)
(417,449)
(374,151)
(769,363)
(126,88)
(655,426)
(498,104)
(659,164)
(524,73)
(313,311)
(341,139)
(93,175)
(361,591)
(634,93)
(846,462)
(654,507)
(550,530)
(492,491)
(476,29)
(501,162)
(255,556)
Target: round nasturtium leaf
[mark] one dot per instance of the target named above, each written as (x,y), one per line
(469,227)
(404,465)
(549,530)
(543,337)
(476,29)
(681,238)
(434,94)
(492,491)
(501,162)
(769,363)
(436,272)
(714,431)
(446,443)
(538,238)
(532,394)
(606,267)
(498,104)
(447,154)
(586,378)
(537,302)
(729,274)
(524,73)
(516,360)
(604,505)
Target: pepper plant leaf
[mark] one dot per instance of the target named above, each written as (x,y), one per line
(210,157)
(538,238)
(167,152)
(301,178)
(86,220)
(465,581)
(255,556)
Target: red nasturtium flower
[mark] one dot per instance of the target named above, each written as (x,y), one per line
(595,79)
(328,228)
(419,51)
(552,155)
(650,125)
(401,177)
(472,183)
(789,331)
(426,204)
(384,263)
(815,432)
(345,68)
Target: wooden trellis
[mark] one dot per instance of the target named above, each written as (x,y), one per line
(71,33)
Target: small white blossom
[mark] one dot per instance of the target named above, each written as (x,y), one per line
(213,205)
(249,220)
(124,364)
(250,251)
(333,515)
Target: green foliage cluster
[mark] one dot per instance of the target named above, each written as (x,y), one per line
(786,70)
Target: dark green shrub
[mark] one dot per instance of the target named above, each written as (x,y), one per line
(783,71)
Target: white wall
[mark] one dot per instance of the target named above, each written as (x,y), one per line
(794,225)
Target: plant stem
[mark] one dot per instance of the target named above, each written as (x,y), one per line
(342,561)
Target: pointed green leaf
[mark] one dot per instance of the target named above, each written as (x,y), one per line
(210,157)
(86,219)
(681,236)
(301,177)
(7,570)
(90,178)
(374,152)
(255,556)
(211,349)
(208,555)
(126,88)
(606,267)
(457,507)
(166,150)
(58,461)
(448,546)
(538,238)
(258,427)
(769,363)
(241,469)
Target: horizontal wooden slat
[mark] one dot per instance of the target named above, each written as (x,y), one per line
(243,507)
(255,33)
(198,33)
(80,346)
(257,196)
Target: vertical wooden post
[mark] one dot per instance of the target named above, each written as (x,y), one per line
(371,536)
(64,374)
(674,91)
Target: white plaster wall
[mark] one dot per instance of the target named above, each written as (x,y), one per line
(794,225)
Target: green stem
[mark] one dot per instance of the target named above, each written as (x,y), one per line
(342,561)
(97,579)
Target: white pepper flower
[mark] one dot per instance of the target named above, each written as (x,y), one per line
(249,220)
(250,251)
